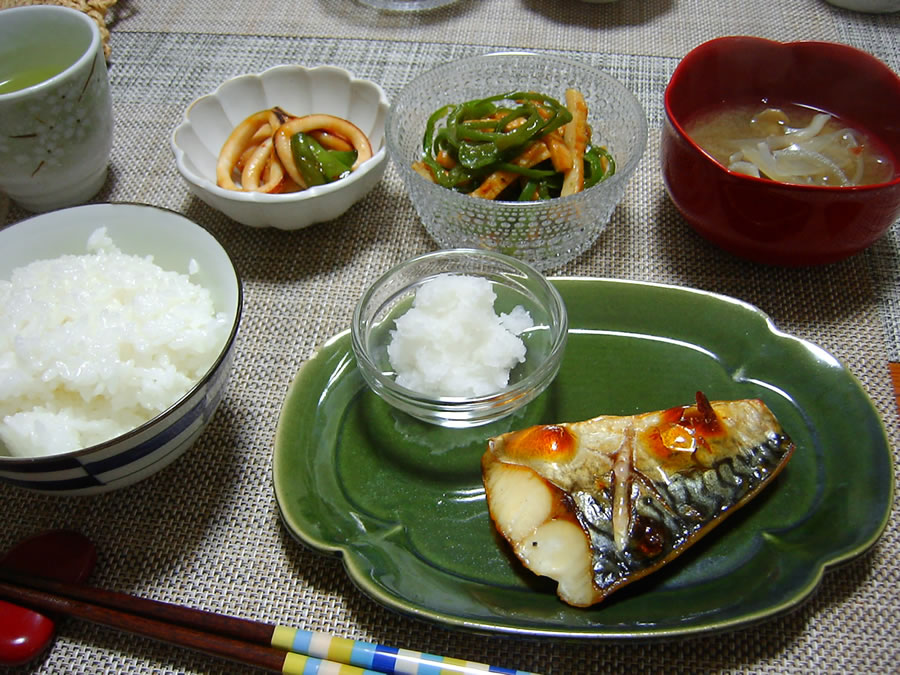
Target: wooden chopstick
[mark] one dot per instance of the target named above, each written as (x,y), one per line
(267,646)
(234,649)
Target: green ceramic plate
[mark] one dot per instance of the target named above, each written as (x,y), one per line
(403,502)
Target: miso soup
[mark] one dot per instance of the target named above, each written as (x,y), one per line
(791,144)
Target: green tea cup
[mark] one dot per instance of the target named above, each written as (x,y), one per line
(56,123)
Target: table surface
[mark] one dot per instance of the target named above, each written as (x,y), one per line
(206,531)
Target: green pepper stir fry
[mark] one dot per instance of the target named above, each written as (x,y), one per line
(465,145)
(318,165)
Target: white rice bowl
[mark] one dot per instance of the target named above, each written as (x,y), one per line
(154,378)
(93,345)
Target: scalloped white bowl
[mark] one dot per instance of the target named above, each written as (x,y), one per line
(209,120)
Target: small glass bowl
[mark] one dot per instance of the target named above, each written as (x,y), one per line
(514,282)
(546,234)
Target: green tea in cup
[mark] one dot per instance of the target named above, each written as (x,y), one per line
(27,77)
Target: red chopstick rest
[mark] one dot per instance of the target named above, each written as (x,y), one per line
(59,554)
(24,634)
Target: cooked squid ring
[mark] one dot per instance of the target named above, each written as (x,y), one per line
(263,164)
(265,131)
(333,125)
(244,159)
(331,141)
(241,138)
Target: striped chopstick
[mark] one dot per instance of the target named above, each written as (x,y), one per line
(378,658)
(276,648)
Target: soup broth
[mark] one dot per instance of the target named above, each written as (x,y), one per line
(791,144)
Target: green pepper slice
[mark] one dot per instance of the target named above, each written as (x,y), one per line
(305,159)
(529,191)
(318,165)
(598,165)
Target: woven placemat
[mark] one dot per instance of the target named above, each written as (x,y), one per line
(96,9)
(645,27)
(206,531)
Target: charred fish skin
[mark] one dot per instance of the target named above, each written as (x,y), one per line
(667,518)
(642,489)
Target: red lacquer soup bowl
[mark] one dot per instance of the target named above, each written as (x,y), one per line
(761,219)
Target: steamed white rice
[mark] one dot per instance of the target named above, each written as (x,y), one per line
(94,345)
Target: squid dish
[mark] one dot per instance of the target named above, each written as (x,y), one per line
(273,151)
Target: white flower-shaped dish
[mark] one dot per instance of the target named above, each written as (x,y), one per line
(209,120)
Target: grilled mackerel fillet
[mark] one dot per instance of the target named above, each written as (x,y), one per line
(597,504)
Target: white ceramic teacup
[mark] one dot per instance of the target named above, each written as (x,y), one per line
(56,126)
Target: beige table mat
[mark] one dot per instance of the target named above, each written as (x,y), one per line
(205,532)
(652,27)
